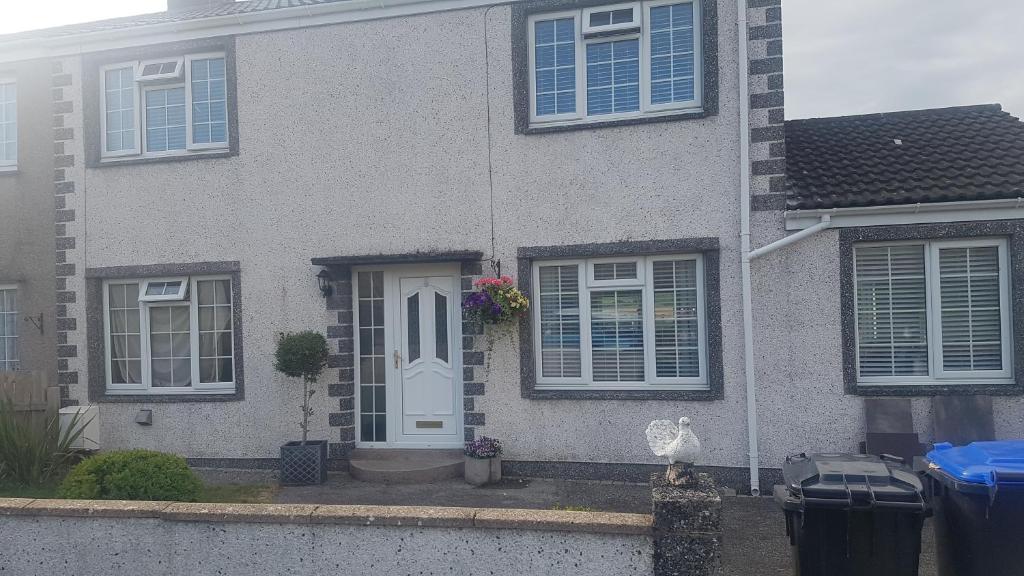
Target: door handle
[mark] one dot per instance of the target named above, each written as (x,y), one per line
(398,359)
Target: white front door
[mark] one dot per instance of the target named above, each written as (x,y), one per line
(407,346)
(428,391)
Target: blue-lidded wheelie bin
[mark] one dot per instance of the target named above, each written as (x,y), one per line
(852,515)
(977,493)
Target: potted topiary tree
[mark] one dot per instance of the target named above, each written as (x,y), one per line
(303,355)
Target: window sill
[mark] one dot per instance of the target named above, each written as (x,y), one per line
(636,393)
(4,170)
(594,123)
(140,397)
(990,388)
(158,158)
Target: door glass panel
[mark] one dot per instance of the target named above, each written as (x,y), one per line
(372,397)
(441,325)
(414,327)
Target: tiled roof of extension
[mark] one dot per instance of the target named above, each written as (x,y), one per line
(213,10)
(919,156)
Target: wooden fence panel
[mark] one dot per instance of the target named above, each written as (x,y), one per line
(32,396)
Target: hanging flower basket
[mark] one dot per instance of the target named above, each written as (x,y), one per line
(496,300)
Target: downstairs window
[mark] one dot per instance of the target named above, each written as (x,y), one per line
(620,323)
(933,312)
(169,335)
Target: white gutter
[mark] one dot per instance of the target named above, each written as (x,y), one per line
(900,214)
(748,307)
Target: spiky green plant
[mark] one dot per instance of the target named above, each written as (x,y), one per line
(35,454)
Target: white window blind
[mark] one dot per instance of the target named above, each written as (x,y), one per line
(165,119)
(560,322)
(555,66)
(892,311)
(620,323)
(970,305)
(8,329)
(8,123)
(613,77)
(676,325)
(933,312)
(209,101)
(672,53)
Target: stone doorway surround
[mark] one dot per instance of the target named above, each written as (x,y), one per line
(341,390)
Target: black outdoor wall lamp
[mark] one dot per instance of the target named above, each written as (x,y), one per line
(323,279)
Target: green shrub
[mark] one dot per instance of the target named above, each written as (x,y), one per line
(302,355)
(34,453)
(132,475)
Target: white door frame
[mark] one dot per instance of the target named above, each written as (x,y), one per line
(392,299)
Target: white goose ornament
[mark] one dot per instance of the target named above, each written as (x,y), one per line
(676,443)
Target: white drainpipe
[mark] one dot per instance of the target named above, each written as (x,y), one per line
(748,312)
(746,255)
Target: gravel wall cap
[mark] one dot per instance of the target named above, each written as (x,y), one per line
(279,513)
(395,516)
(13,505)
(603,522)
(95,508)
(407,516)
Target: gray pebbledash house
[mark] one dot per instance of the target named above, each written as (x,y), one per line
(227,171)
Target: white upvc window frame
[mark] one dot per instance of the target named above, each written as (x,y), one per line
(593,282)
(145,387)
(644,282)
(137,94)
(143,115)
(698,61)
(578,68)
(189,144)
(6,165)
(17,336)
(587,30)
(182,79)
(173,75)
(178,296)
(647,108)
(937,375)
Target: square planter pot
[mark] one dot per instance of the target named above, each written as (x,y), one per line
(304,464)
(480,471)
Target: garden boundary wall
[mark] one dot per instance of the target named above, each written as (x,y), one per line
(115,538)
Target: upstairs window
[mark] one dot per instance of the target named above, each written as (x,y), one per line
(935,312)
(8,124)
(171,106)
(616,61)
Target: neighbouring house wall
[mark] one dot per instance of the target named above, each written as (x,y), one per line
(27,216)
(802,405)
(373,154)
(164,539)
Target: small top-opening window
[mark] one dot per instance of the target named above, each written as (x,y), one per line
(615,18)
(164,290)
(607,272)
(164,69)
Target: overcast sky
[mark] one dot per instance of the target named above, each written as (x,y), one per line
(842,57)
